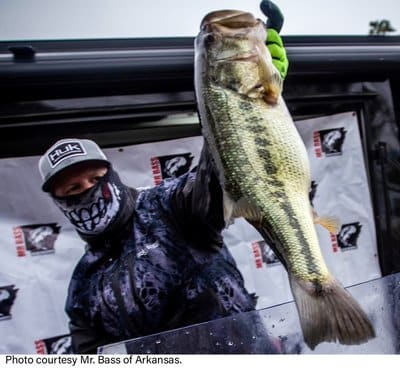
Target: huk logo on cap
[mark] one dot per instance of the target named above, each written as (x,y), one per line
(65,150)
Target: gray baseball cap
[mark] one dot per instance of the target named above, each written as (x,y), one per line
(65,153)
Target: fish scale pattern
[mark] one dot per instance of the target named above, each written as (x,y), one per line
(265,161)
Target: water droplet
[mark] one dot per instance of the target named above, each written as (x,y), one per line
(217,343)
(187,332)
(254,337)
(158,341)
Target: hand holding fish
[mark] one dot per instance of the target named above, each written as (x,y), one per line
(274,42)
(274,15)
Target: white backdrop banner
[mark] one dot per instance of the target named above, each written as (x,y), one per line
(39,249)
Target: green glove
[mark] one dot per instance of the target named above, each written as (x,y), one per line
(274,41)
(273,13)
(278,52)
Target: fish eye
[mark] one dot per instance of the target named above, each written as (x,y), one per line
(210,38)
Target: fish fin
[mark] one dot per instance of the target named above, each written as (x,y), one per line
(240,208)
(271,81)
(228,206)
(243,208)
(332,224)
(329,313)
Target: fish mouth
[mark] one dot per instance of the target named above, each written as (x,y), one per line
(246,58)
(250,57)
(230,19)
(235,24)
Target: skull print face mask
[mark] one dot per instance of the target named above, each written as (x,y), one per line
(92,211)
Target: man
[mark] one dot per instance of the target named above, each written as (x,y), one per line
(155,259)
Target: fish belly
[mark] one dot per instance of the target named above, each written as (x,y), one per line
(264,162)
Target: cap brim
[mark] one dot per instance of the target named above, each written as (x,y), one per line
(47,185)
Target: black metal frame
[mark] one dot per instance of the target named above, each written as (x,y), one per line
(35,70)
(34,84)
(116,92)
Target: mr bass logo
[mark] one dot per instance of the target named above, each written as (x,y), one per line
(36,239)
(170,166)
(54,345)
(329,142)
(347,238)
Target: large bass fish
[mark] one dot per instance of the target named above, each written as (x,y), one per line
(264,169)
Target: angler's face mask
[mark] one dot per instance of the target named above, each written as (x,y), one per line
(92,211)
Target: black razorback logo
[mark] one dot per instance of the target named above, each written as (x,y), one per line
(65,150)
(332,141)
(348,235)
(8,294)
(54,345)
(171,166)
(37,239)
(175,165)
(40,239)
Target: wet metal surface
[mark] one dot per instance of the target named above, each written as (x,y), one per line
(278,329)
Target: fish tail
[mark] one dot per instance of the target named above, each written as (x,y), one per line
(329,313)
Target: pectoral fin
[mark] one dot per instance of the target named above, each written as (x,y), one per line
(332,224)
(271,81)
(245,209)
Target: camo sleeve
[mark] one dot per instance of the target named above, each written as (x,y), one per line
(198,204)
(85,338)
